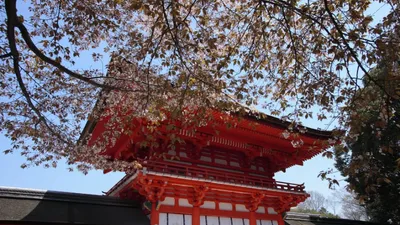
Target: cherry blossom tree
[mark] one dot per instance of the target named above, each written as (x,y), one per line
(174,57)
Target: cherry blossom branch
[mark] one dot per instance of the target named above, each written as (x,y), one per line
(298,11)
(180,56)
(124,79)
(12,17)
(350,49)
(11,24)
(33,47)
(177,46)
(296,61)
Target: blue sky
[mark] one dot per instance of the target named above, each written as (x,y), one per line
(95,182)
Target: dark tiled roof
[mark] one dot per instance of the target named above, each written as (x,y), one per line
(36,206)
(292,218)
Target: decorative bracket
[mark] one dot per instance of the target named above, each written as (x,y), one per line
(198,195)
(286,202)
(198,145)
(248,159)
(255,201)
(153,190)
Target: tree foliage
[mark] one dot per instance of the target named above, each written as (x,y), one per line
(352,209)
(178,57)
(316,201)
(315,204)
(370,157)
(322,212)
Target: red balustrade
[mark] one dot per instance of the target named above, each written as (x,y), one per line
(221,176)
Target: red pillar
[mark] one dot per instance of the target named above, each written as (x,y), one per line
(196,215)
(252,219)
(281,221)
(154,217)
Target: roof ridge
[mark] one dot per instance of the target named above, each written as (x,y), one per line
(311,217)
(26,193)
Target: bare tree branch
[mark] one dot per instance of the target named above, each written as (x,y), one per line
(5,55)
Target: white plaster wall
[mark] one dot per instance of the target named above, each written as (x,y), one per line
(208,205)
(205,158)
(175,219)
(163,218)
(241,208)
(203,220)
(225,206)
(261,209)
(213,220)
(267,222)
(234,164)
(237,221)
(222,169)
(225,220)
(184,202)
(188,219)
(180,219)
(168,201)
(221,161)
(172,152)
(271,211)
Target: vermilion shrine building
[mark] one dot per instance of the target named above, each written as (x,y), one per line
(217,179)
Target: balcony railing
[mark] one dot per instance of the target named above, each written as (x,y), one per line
(221,176)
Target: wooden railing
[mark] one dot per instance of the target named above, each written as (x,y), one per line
(221,176)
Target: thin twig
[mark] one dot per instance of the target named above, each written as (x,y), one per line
(5,55)
(350,49)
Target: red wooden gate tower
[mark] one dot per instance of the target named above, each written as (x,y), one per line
(218,179)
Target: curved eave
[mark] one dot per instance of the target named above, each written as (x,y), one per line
(281,124)
(305,160)
(251,116)
(87,130)
(121,184)
(91,123)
